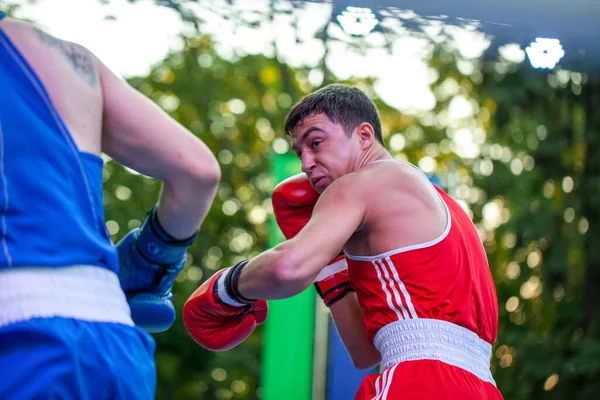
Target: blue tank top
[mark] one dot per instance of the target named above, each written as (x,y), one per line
(51,211)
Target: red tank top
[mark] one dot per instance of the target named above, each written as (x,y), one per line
(445,279)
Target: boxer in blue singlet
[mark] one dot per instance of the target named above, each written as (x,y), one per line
(74,309)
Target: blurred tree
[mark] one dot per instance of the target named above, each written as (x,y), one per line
(541,144)
(235,108)
(523,183)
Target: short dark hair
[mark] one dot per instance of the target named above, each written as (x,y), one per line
(344,105)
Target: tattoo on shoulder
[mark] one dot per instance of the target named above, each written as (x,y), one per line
(78,56)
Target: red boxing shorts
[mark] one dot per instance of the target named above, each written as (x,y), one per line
(427,359)
(426,380)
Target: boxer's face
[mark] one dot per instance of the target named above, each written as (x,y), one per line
(324,148)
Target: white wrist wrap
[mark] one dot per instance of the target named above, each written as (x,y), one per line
(223,293)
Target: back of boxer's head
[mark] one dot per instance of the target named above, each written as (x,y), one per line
(343,104)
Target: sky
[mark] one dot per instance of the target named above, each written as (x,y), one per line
(128,45)
(142,33)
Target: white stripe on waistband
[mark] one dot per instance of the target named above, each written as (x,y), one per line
(87,293)
(431,339)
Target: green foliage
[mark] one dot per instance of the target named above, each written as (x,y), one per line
(525,187)
(236,108)
(541,253)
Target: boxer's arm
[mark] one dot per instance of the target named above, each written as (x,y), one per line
(140,135)
(292,266)
(349,321)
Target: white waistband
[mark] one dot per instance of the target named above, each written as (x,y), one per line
(430,339)
(83,292)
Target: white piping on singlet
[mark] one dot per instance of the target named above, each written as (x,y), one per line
(388,277)
(430,243)
(82,292)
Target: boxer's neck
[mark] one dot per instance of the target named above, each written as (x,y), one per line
(374,153)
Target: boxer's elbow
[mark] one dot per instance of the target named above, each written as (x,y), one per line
(192,163)
(366,361)
(205,171)
(289,273)
(197,179)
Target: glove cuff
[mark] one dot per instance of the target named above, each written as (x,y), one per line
(333,283)
(157,246)
(335,266)
(332,294)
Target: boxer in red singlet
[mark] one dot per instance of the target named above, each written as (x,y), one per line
(417,296)
(431,310)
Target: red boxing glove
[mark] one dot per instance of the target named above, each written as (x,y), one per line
(333,282)
(293,202)
(218,326)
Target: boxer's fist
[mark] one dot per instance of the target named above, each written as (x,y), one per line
(149,261)
(293,202)
(215,325)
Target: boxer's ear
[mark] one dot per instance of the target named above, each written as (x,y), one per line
(365,134)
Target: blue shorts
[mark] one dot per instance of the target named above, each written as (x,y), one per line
(66,358)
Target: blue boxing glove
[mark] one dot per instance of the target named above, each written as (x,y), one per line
(149,261)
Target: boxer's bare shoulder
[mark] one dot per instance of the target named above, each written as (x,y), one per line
(30,39)
(69,75)
(401,208)
(78,56)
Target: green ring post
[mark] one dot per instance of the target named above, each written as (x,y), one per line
(287,367)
